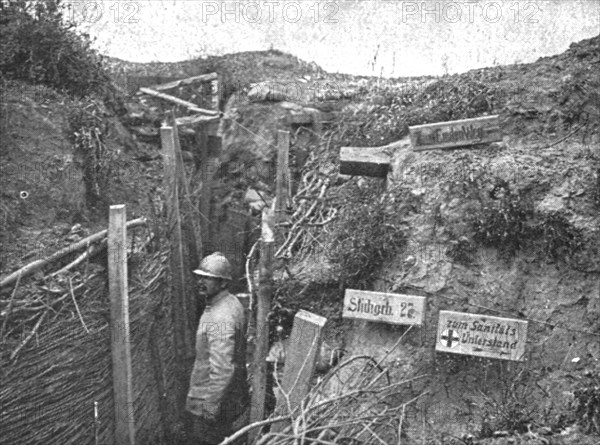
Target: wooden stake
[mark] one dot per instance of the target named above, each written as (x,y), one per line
(190,230)
(300,362)
(283,175)
(119,323)
(202,141)
(265,286)
(190,223)
(176,263)
(265,293)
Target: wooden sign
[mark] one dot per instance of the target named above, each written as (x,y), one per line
(384,307)
(455,133)
(364,161)
(481,335)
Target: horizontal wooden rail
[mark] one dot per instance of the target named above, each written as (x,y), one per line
(189,81)
(189,105)
(197,119)
(38,264)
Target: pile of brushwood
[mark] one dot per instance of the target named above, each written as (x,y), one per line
(356,402)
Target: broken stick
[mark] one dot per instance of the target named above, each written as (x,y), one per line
(38,264)
(9,309)
(30,336)
(89,253)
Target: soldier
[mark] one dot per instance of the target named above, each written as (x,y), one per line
(218,398)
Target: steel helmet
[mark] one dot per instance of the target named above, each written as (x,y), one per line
(214,265)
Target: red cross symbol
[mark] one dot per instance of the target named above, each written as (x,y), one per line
(449,338)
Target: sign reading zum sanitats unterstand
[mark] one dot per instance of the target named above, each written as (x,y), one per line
(459,133)
(481,335)
(384,307)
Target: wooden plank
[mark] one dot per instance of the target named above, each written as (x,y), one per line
(174,233)
(191,235)
(188,81)
(481,335)
(458,133)
(300,362)
(184,103)
(176,263)
(282,185)
(119,326)
(364,161)
(398,309)
(191,226)
(196,119)
(263,306)
(205,197)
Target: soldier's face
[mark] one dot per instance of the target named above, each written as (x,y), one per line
(212,286)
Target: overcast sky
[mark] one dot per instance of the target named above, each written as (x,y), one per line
(388,38)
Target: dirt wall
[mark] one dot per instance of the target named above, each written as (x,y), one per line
(560,297)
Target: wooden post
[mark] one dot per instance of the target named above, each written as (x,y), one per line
(190,224)
(176,264)
(263,305)
(119,324)
(283,175)
(300,361)
(202,140)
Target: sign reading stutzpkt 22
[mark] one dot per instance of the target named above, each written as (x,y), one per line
(384,307)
